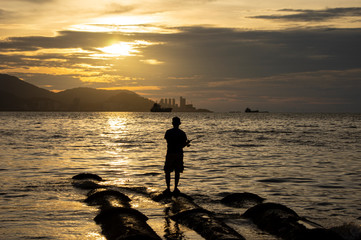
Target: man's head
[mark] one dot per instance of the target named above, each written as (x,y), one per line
(176,121)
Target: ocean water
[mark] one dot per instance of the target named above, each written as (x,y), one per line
(308,162)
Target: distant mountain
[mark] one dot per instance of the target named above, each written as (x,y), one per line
(90,99)
(22,89)
(88,95)
(10,102)
(17,95)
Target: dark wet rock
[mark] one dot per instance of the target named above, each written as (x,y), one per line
(140,190)
(261,210)
(276,219)
(116,218)
(86,184)
(164,197)
(318,234)
(283,222)
(83,176)
(181,204)
(240,200)
(106,197)
(183,195)
(348,231)
(125,223)
(206,225)
(188,213)
(108,213)
(93,191)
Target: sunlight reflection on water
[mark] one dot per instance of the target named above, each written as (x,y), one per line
(309,162)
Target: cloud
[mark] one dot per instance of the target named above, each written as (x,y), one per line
(277,70)
(116,8)
(306,15)
(4,14)
(211,52)
(152,61)
(134,88)
(35,1)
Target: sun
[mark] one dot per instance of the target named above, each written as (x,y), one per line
(120,49)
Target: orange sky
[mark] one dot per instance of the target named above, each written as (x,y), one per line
(221,55)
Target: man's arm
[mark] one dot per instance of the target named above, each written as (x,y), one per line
(186,142)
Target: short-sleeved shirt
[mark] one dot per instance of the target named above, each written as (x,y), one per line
(176,140)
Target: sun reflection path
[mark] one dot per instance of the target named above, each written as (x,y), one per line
(117,124)
(116,131)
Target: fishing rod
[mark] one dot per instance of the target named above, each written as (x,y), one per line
(194,139)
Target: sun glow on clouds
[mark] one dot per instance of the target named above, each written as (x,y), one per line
(123,49)
(152,61)
(127,20)
(62,51)
(133,28)
(120,49)
(106,78)
(50,70)
(134,88)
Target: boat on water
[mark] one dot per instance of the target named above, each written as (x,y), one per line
(248,110)
(158,108)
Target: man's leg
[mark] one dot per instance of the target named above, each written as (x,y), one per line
(176,179)
(167,180)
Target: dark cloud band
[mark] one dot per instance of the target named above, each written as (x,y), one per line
(313,15)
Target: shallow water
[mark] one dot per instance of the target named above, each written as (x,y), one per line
(308,162)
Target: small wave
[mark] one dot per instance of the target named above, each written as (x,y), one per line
(150,174)
(244,131)
(6,133)
(58,136)
(16,195)
(307,126)
(278,131)
(304,142)
(311,132)
(39,237)
(329,186)
(129,146)
(281,180)
(262,138)
(324,204)
(247,145)
(274,180)
(123,141)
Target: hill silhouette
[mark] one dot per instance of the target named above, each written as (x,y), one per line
(17,87)
(18,95)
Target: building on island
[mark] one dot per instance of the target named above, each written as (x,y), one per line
(181,107)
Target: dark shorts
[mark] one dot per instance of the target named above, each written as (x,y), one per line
(174,162)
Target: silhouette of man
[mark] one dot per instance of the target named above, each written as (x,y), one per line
(176,141)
